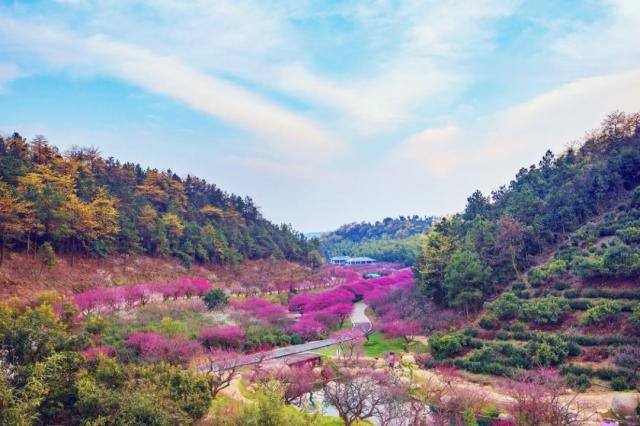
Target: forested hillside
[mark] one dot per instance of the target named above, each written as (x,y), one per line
(392,240)
(547,266)
(79,203)
(498,237)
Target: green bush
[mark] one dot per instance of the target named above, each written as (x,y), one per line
(580,304)
(215,298)
(622,261)
(442,345)
(561,285)
(557,267)
(620,383)
(603,311)
(548,351)
(571,294)
(507,306)
(548,310)
(588,267)
(634,318)
(578,382)
(537,276)
(606,293)
(502,335)
(488,321)
(630,235)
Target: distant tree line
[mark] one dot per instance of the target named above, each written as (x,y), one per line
(391,240)
(80,203)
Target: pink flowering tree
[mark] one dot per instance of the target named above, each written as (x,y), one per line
(225,337)
(333,315)
(307,328)
(328,298)
(299,301)
(263,310)
(157,347)
(401,329)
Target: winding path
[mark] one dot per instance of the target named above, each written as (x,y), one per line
(359,321)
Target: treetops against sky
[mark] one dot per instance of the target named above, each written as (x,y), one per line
(325,112)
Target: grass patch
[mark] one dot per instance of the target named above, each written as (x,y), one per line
(378,345)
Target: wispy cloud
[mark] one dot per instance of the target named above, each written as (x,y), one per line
(8,73)
(522,132)
(290,133)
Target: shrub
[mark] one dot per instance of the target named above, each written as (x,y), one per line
(630,235)
(580,304)
(156,347)
(215,298)
(561,285)
(603,311)
(557,267)
(548,351)
(622,261)
(578,382)
(443,345)
(507,306)
(588,267)
(46,255)
(634,318)
(488,321)
(502,335)
(620,383)
(537,276)
(549,310)
(571,294)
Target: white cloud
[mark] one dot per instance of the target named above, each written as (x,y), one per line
(430,150)
(8,73)
(608,43)
(264,166)
(291,134)
(417,68)
(509,139)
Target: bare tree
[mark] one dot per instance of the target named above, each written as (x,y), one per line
(220,369)
(356,394)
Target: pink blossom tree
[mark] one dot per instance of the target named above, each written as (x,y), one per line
(401,329)
(156,347)
(307,328)
(299,301)
(225,337)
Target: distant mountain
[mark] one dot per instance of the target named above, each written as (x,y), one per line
(310,235)
(392,239)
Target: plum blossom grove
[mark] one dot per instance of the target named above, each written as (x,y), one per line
(318,315)
(329,309)
(113,298)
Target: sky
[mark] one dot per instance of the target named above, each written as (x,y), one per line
(324,112)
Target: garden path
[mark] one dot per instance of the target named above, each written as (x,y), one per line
(359,320)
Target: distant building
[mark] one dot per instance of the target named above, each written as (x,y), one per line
(347,260)
(339,260)
(360,261)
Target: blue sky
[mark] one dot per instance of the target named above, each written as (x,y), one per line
(323,112)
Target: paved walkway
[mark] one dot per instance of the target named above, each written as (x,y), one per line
(359,322)
(359,319)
